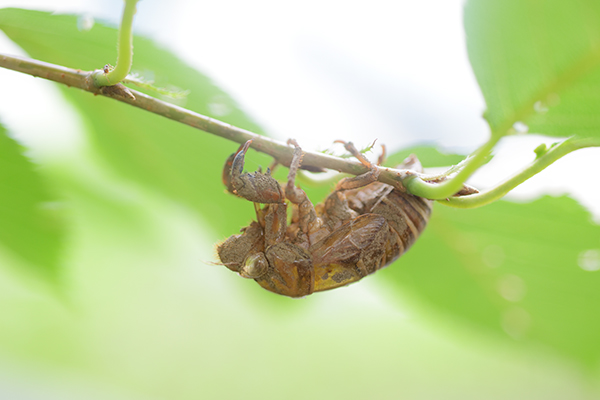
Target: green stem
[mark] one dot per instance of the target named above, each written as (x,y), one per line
(543,161)
(283,153)
(436,191)
(124,50)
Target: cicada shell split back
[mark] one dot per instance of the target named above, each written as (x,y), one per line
(361,227)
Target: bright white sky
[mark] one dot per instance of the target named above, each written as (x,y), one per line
(323,70)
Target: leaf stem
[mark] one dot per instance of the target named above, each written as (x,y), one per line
(436,191)
(124,50)
(540,163)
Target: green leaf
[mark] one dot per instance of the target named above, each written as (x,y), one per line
(537,62)
(526,271)
(180,162)
(28,227)
(429,156)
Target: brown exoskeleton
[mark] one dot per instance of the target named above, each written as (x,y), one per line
(361,227)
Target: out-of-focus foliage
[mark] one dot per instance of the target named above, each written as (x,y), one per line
(537,62)
(148,317)
(522,271)
(153,322)
(528,271)
(29,226)
(182,163)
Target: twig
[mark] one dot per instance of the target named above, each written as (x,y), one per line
(278,150)
(451,191)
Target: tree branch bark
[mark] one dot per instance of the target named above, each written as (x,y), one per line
(278,150)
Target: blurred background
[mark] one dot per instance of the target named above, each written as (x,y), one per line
(143,314)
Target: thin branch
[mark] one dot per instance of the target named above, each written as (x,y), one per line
(278,150)
(417,183)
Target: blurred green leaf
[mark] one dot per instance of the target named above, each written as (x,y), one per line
(528,271)
(28,226)
(537,62)
(429,156)
(180,162)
